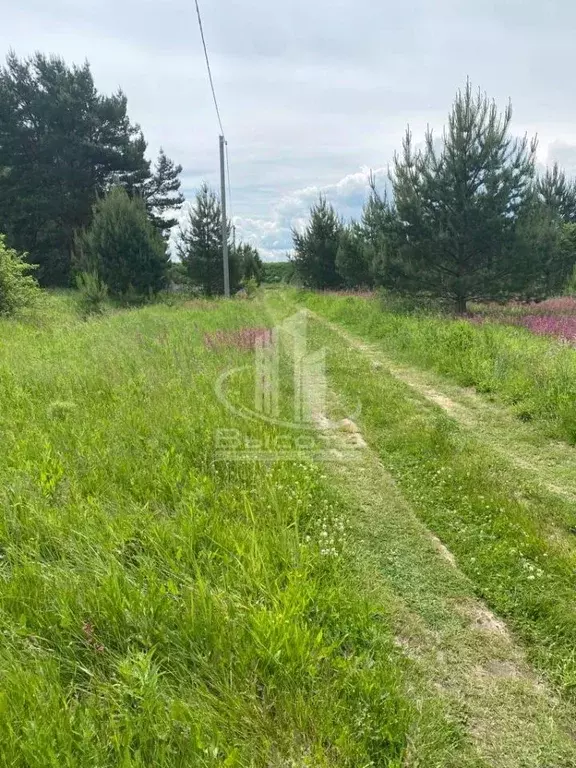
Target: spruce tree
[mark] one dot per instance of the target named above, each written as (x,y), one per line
(200,245)
(459,207)
(62,144)
(123,247)
(316,249)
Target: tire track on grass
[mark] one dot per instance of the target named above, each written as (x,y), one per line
(495,425)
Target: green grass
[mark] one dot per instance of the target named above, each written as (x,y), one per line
(536,376)
(479,674)
(509,537)
(158,607)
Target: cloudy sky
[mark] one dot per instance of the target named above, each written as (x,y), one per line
(313,93)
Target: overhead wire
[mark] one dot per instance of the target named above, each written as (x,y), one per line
(213,89)
(209,67)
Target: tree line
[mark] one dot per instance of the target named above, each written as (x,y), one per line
(468,219)
(78,195)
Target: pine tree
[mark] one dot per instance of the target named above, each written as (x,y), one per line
(200,245)
(543,251)
(162,195)
(365,246)
(352,260)
(62,144)
(250,263)
(556,192)
(379,232)
(316,249)
(459,207)
(123,247)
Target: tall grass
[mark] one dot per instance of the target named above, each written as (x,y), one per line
(159,607)
(537,376)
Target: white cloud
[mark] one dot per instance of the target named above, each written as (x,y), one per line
(564,153)
(273,234)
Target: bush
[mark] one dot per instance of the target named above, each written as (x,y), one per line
(278,272)
(249,263)
(123,247)
(18,289)
(250,286)
(93,294)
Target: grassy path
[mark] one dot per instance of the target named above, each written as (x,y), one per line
(465,657)
(510,532)
(550,463)
(466,660)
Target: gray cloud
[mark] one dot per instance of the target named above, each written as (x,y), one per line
(311,92)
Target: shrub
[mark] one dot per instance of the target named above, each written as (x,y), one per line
(18,289)
(93,293)
(250,286)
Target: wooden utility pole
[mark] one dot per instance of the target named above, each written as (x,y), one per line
(224,220)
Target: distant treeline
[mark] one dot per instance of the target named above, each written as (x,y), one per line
(278,272)
(468,220)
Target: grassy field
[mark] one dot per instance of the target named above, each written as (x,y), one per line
(159,607)
(162,606)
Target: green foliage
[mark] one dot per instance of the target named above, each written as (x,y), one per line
(250,285)
(558,194)
(123,247)
(544,251)
(61,145)
(459,207)
(161,607)
(162,195)
(249,263)
(278,271)
(18,289)
(379,231)
(178,276)
(316,249)
(93,294)
(353,258)
(200,245)
(569,247)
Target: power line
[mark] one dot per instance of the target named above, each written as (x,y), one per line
(224,165)
(208,66)
(229,189)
